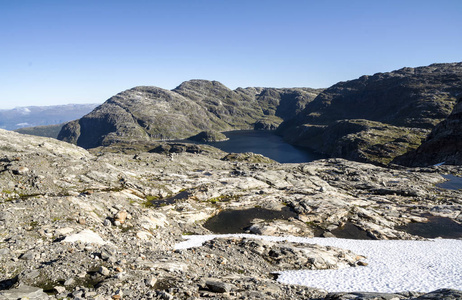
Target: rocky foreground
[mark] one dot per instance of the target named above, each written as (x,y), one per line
(101,225)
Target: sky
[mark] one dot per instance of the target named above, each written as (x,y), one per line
(63,51)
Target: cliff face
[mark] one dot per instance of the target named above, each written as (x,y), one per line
(151,113)
(444,144)
(403,106)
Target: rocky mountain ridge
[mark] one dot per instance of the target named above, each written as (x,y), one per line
(443,145)
(151,113)
(379,117)
(371,119)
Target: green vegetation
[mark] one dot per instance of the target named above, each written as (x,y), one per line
(223,198)
(188,233)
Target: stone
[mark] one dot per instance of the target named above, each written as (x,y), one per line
(59,289)
(85,236)
(144,235)
(448,294)
(107,223)
(29,255)
(69,281)
(151,281)
(219,286)
(64,230)
(104,271)
(363,295)
(120,216)
(24,292)
(374,201)
(21,171)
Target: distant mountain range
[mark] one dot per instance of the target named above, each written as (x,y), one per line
(30,116)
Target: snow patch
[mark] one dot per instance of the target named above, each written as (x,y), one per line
(393,265)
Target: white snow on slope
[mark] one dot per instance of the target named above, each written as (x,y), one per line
(393,266)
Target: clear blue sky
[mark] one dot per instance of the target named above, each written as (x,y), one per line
(59,52)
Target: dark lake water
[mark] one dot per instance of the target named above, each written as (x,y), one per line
(237,221)
(435,227)
(265,143)
(453,183)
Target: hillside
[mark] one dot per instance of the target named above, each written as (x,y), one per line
(376,118)
(151,113)
(443,145)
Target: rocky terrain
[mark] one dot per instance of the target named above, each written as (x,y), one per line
(377,118)
(151,113)
(103,224)
(443,145)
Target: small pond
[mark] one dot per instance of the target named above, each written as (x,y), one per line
(435,227)
(237,221)
(453,183)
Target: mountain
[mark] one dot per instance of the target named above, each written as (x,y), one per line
(150,113)
(376,118)
(30,116)
(443,145)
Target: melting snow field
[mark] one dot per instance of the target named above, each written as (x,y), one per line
(393,266)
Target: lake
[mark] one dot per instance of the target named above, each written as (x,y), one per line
(265,143)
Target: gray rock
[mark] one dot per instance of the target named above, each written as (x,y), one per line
(29,255)
(4,251)
(104,271)
(363,296)
(447,294)
(219,286)
(69,281)
(24,292)
(59,289)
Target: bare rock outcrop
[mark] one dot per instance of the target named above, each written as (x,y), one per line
(443,145)
(403,104)
(151,113)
